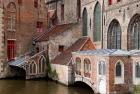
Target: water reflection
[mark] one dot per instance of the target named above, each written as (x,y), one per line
(38,87)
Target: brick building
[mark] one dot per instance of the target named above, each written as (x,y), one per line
(107,71)
(20,21)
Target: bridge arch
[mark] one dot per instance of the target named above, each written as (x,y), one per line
(86,82)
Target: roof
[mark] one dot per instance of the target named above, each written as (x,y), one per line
(104,52)
(135,52)
(65,57)
(18,62)
(55,30)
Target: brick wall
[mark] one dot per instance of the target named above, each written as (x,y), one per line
(27,17)
(120,88)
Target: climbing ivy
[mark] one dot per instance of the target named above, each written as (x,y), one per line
(50,73)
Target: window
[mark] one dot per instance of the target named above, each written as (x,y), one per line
(78,66)
(42,64)
(85,28)
(114,35)
(19,1)
(62,12)
(102,68)
(30,68)
(137,70)
(109,2)
(118,70)
(35,3)
(33,67)
(78,9)
(37,49)
(11,17)
(118,0)
(11,49)
(119,73)
(87,67)
(97,23)
(134,34)
(61,48)
(39,26)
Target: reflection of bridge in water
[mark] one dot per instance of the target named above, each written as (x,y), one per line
(29,66)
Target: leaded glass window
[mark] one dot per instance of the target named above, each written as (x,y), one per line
(97,23)
(78,64)
(137,68)
(114,35)
(87,66)
(11,17)
(134,33)
(85,29)
(102,68)
(118,69)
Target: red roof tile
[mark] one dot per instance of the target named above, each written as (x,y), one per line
(65,57)
(53,31)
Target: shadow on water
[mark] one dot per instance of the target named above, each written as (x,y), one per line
(82,85)
(39,86)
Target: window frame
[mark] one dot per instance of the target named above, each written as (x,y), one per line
(119,79)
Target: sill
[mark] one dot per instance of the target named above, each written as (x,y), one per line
(11,30)
(119,83)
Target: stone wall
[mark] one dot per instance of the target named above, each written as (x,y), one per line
(90,6)
(123,12)
(67,38)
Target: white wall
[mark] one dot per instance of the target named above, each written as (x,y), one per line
(64,76)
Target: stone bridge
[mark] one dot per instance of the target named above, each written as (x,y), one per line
(33,66)
(87,81)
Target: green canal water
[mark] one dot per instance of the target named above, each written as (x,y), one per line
(39,87)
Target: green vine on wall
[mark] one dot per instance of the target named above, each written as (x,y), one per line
(50,73)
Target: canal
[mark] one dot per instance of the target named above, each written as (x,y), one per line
(40,87)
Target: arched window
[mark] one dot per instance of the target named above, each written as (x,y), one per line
(114,35)
(119,73)
(30,68)
(78,8)
(34,68)
(11,17)
(78,65)
(42,64)
(39,66)
(97,23)
(85,27)
(134,33)
(137,70)
(102,68)
(87,67)
(118,69)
